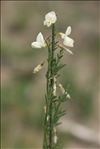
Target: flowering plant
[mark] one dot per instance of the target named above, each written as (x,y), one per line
(53,101)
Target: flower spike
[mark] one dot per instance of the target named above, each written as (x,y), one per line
(54,98)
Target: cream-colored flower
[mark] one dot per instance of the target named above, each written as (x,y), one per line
(50,18)
(38,68)
(67,41)
(40,42)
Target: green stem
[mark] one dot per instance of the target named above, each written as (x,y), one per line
(51,86)
(48,125)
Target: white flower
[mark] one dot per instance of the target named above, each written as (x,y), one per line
(67,41)
(38,68)
(40,42)
(50,18)
(55,139)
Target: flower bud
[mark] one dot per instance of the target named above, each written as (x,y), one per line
(62,88)
(54,86)
(55,139)
(45,109)
(48,118)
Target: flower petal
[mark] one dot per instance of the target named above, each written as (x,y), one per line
(51,16)
(36,45)
(68,41)
(68,31)
(40,39)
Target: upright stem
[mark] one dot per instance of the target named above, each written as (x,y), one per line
(48,123)
(51,86)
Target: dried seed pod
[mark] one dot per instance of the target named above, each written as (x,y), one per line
(38,68)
